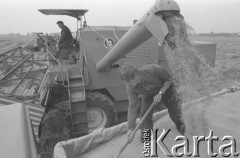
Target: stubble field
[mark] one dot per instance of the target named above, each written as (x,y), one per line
(7,43)
(227,64)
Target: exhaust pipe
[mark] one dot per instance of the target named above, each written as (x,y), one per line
(149,25)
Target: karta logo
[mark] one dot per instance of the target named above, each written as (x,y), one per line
(152,143)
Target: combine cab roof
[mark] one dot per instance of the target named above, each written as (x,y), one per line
(76,13)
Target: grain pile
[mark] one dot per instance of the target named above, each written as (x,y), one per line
(189,70)
(186,65)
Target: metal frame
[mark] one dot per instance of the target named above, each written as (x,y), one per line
(23,62)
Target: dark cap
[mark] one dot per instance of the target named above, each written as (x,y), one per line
(59,22)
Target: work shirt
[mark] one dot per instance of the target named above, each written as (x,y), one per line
(66,38)
(152,78)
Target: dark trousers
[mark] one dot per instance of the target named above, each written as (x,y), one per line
(171,100)
(63,54)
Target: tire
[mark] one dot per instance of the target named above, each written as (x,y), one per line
(101,111)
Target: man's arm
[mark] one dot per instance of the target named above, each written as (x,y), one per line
(165,86)
(158,97)
(162,73)
(165,76)
(132,112)
(63,36)
(132,108)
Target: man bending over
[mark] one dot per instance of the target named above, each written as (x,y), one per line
(154,83)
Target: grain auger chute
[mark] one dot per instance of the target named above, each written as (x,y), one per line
(151,24)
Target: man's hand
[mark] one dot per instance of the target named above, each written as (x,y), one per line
(130,137)
(157,98)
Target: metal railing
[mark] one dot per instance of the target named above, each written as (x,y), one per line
(59,63)
(43,89)
(83,60)
(84,68)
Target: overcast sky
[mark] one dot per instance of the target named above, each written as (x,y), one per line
(22,16)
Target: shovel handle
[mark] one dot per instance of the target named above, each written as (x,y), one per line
(135,129)
(122,149)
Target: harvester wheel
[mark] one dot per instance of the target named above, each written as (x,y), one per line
(101,111)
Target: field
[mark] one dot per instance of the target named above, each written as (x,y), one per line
(227,65)
(228,55)
(7,43)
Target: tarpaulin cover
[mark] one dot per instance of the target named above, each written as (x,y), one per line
(75,147)
(221,116)
(16,133)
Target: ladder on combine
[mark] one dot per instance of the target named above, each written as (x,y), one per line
(78,104)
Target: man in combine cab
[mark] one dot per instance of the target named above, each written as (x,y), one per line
(154,83)
(65,41)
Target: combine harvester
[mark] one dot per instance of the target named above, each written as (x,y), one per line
(95,93)
(130,45)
